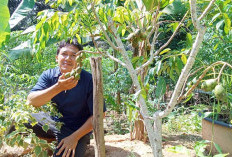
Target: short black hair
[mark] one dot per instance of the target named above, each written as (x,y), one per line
(73,42)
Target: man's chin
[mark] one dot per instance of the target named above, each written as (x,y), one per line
(65,70)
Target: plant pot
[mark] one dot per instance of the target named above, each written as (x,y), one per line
(221,132)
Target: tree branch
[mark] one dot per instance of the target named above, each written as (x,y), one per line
(115,59)
(102,28)
(151,52)
(220,73)
(193,10)
(152,55)
(187,80)
(206,10)
(153,24)
(174,33)
(85,51)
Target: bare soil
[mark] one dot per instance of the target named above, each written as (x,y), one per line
(122,146)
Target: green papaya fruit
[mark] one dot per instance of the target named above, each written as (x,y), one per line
(79,64)
(83,56)
(220,93)
(77,76)
(72,73)
(209,85)
(149,28)
(78,59)
(78,69)
(67,75)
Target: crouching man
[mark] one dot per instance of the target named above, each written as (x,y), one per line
(73,99)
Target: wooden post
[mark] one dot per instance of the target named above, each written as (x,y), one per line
(98,131)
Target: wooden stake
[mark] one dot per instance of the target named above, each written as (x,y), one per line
(98,131)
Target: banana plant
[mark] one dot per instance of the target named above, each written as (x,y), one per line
(4,18)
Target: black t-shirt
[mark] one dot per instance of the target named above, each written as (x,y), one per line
(76,104)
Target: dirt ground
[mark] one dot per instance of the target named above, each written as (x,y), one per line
(121,146)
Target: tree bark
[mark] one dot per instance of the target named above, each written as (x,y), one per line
(139,131)
(118,93)
(98,131)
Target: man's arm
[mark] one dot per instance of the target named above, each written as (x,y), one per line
(39,98)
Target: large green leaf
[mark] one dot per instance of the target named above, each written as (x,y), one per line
(38,150)
(22,49)
(21,12)
(227,22)
(177,7)
(161,87)
(150,4)
(4,19)
(4,15)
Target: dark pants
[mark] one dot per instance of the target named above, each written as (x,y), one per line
(44,118)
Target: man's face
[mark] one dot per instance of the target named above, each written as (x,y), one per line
(66,58)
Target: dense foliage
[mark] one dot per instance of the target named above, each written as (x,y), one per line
(24,55)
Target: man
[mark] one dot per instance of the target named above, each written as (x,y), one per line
(74,100)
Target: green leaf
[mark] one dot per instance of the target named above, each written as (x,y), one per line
(161,87)
(227,22)
(45,127)
(20,50)
(70,2)
(200,147)
(78,38)
(29,30)
(216,46)
(219,24)
(184,58)
(123,32)
(21,12)
(188,97)
(4,15)
(158,67)
(19,137)
(38,150)
(189,40)
(215,16)
(44,154)
(218,148)
(4,19)
(150,4)
(179,149)
(177,7)
(174,26)
(179,66)
(12,142)
(221,155)
(143,94)
(165,50)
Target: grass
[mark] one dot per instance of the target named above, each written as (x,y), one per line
(182,122)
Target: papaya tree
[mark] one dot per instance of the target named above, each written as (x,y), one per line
(137,23)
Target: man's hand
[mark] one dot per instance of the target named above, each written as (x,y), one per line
(68,145)
(66,84)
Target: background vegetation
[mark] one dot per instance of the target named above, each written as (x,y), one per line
(21,66)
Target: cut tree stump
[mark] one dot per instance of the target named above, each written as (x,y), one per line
(98,131)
